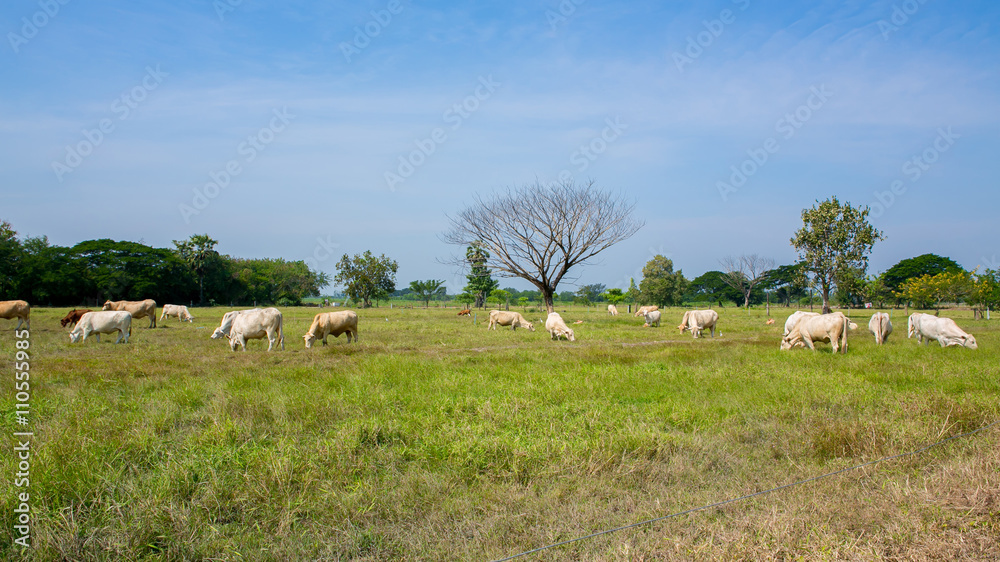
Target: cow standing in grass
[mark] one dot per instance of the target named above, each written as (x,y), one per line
(253,324)
(698,320)
(512,319)
(880,327)
(557,327)
(942,330)
(831,328)
(73,316)
(138,309)
(16,309)
(178,311)
(332,323)
(103,322)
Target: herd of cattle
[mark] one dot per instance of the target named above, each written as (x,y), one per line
(801,328)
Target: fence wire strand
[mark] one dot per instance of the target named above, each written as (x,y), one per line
(748,496)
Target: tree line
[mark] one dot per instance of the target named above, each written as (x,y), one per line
(93,271)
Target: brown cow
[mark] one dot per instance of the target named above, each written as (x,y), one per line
(16,309)
(73,316)
(465,312)
(138,309)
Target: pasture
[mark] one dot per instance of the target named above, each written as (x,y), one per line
(436,439)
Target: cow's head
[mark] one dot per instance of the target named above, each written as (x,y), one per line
(970,342)
(309,338)
(107,305)
(529,326)
(569,334)
(67,320)
(218,334)
(790,340)
(75,337)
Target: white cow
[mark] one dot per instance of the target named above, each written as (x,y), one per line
(880,327)
(252,324)
(913,325)
(642,310)
(103,322)
(612,310)
(652,317)
(16,309)
(512,319)
(178,311)
(943,330)
(555,325)
(698,320)
(831,328)
(332,323)
(138,309)
(795,318)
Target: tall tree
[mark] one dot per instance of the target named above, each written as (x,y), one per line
(425,290)
(366,277)
(614,296)
(480,281)
(834,242)
(593,292)
(198,252)
(10,256)
(787,281)
(745,272)
(712,287)
(985,293)
(926,264)
(539,233)
(660,284)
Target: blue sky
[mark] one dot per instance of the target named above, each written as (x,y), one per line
(722,120)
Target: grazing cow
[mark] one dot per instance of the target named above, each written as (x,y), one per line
(512,319)
(555,325)
(332,323)
(103,322)
(913,325)
(138,309)
(880,326)
(943,330)
(612,310)
(252,324)
(465,312)
(178,310)
(698,320)
(73,316)
(794,317)
(831,328)
(642,310)
(652,317)
(16,309)
(769,321)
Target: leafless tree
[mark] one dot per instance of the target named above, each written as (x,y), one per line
(538,232)
(743,273)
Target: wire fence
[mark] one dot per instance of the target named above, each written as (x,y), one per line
(748,496)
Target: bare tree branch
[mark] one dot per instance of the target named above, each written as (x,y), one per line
(539,233)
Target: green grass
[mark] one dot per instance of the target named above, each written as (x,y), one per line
(437,439)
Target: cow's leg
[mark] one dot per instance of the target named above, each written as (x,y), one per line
(120,334)
(152,320)
(98,336)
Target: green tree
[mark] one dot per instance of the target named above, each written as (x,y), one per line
(51,274)
(466,299)
(500,297)
(480,281)
(425,290)
(10,257)
(133,271)
(745,272)
(711,286)
(875,291)
(926,264)
(366,277)
(660,285)
(633,294)
(788,282)
(985,291)
(834,242)
(614,296)
(523,302)
(200,255)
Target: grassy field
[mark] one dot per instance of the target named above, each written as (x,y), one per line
(436,439)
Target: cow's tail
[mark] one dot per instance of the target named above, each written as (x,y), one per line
(281,331)
(843,335)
